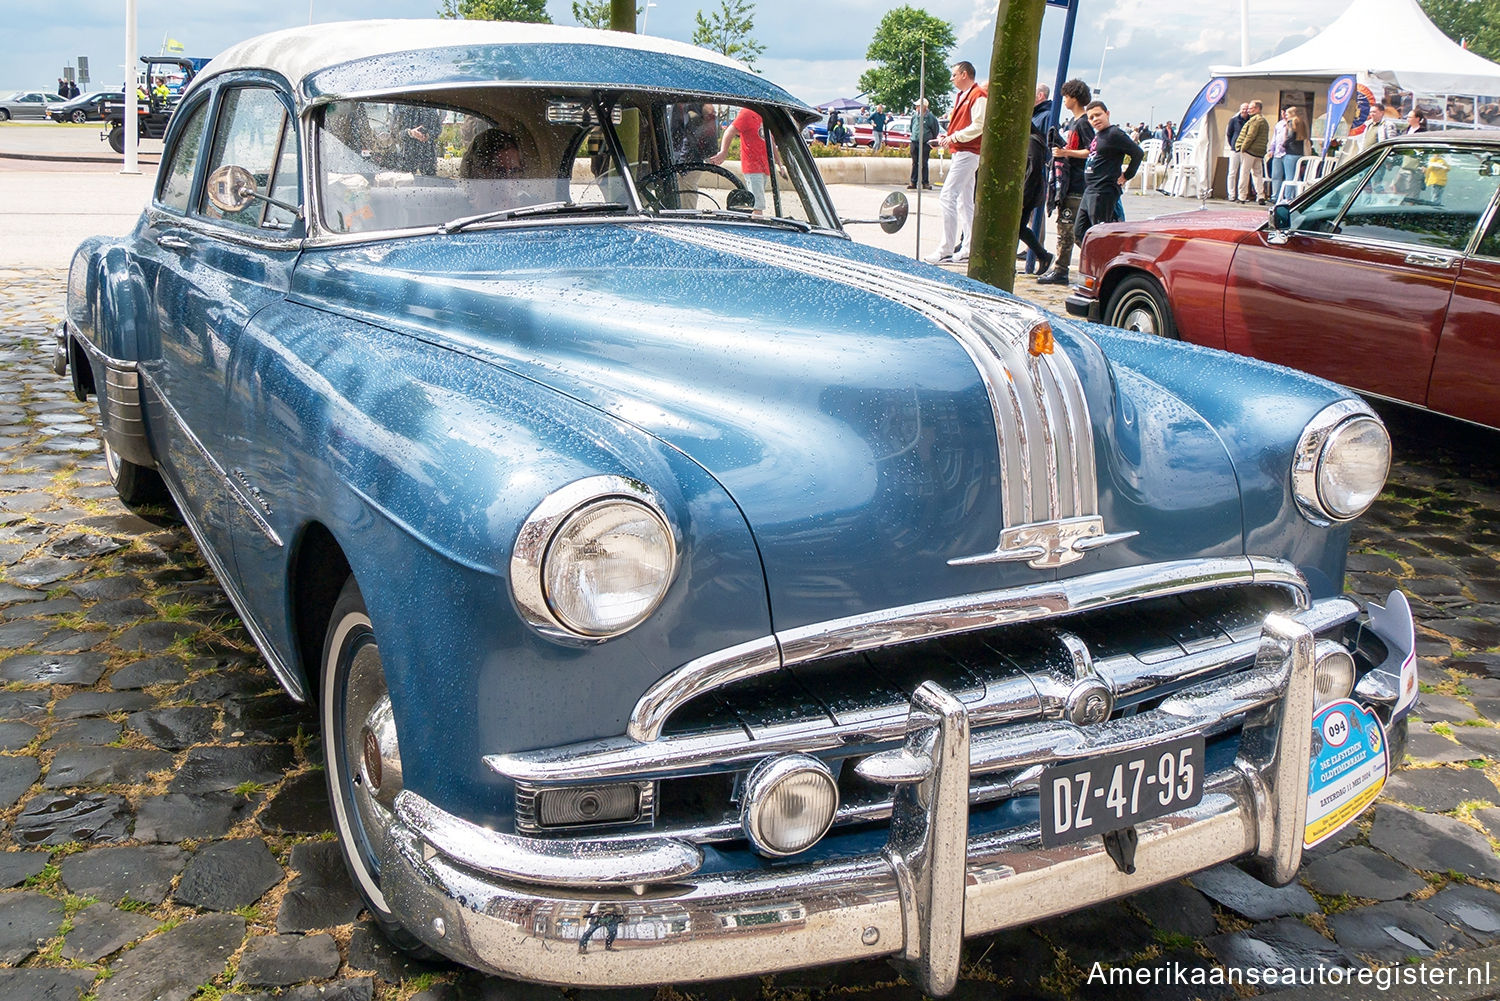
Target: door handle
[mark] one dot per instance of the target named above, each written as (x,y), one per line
(1430,260)
(167,241)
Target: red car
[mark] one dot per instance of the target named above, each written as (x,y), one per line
(1384,276)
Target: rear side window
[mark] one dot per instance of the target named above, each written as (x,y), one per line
(177,175)
(1425,195)
(253,132)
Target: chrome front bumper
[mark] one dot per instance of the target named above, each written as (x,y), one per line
(916,901)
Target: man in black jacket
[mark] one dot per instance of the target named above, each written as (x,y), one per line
(1104,173)
(1069,153)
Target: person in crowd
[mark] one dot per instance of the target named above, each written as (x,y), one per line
(755,159)
(1435,175)
(1250,150)
(1104,174)
(835,122)
(965,130)
(1416,122)
(924,132)
(1034,193)
(878,120)
(1041,111)
(1232,136)
(1288,145)
(415,129)
(1069,154)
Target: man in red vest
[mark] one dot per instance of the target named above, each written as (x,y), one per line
(965,128)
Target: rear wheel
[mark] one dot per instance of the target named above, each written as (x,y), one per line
(79,117)
(117,139)
(1138,303)
(135,484)
(363,757)
(4,115)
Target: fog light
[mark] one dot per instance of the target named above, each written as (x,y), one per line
(588,805)
(789,804)
(1333,678)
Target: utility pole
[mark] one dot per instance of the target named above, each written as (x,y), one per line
(132,165)
(1002,154)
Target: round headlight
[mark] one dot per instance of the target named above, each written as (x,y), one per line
(608,567)
(790,802)
(594,559)
(1341,464)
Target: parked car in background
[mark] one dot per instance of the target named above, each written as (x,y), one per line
(84,108)
(1384,276)
(24,104)
(686,590)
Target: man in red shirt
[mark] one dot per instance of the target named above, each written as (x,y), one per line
(965,129)
(755,162)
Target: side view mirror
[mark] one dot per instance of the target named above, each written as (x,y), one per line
(893,213)
(1281,216)
(231,188)
(740,200)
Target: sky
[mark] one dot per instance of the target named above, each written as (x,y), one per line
(1159,55)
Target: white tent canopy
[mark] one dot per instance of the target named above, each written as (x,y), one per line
(1389,39)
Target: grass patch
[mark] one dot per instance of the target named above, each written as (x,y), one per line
(50,878)
(248,789)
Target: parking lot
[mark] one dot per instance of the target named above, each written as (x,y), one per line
(166,834)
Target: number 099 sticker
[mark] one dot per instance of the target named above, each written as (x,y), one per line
(1349,766)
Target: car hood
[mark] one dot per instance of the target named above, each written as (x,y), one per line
(824,385)
(1198,222)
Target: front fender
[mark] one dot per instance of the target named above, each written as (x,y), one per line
(1259,411)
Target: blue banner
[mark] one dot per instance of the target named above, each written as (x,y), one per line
(1211,94)
(1339,94)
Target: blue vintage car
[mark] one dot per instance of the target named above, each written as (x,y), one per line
(689,591)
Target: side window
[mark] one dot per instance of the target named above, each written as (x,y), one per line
(1321,213)
(1490,245)
(1427,196)
(253,132)
(177,176)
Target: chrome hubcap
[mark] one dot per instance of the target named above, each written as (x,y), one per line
(364,690)
(1139,316)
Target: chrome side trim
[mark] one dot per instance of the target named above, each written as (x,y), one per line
(948,617)
(284,673)
(246,503)
(557,862)
(1021,742)
(1041,416)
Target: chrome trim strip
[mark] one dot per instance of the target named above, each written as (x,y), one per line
(284,673)
(947,617)
(123,421)
(1017,703)
(556,861)
(247,504)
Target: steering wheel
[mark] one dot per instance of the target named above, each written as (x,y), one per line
(686,167)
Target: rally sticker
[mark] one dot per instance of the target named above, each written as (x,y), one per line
(1348,768)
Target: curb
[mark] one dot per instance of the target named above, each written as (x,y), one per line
(78,158)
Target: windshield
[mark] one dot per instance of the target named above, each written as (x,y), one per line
(443,159)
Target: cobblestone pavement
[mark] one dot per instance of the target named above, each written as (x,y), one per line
(164,831)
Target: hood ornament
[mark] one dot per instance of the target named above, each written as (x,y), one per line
(1048,544)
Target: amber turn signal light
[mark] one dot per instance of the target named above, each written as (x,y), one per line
(1041,339)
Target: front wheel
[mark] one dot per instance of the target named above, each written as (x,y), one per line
(79,117)
(363,756)
(4,115)
(1138,303)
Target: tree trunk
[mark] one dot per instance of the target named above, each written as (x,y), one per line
(1002,156)
(622,15)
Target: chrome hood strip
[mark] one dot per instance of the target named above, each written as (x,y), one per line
(1044,436)
(892,626)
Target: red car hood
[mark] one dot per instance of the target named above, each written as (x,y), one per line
(1201,222)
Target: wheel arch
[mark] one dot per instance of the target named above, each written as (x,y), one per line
(318,571)
(1114,276)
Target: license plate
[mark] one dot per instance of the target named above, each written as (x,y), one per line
(1116,791)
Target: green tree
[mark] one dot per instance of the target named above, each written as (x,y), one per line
(730,30)
(595,13)
(1474,21)
(497,10)
(897,48)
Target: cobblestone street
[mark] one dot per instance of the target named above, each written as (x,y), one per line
(165,831)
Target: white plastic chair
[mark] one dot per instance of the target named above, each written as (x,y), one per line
(1308,170)
(1151,159)
(1182,175)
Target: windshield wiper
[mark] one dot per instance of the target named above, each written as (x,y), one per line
(771,220)
(522,211)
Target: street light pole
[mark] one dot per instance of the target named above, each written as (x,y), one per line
(1099,80)
(645,16)
(132,166)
